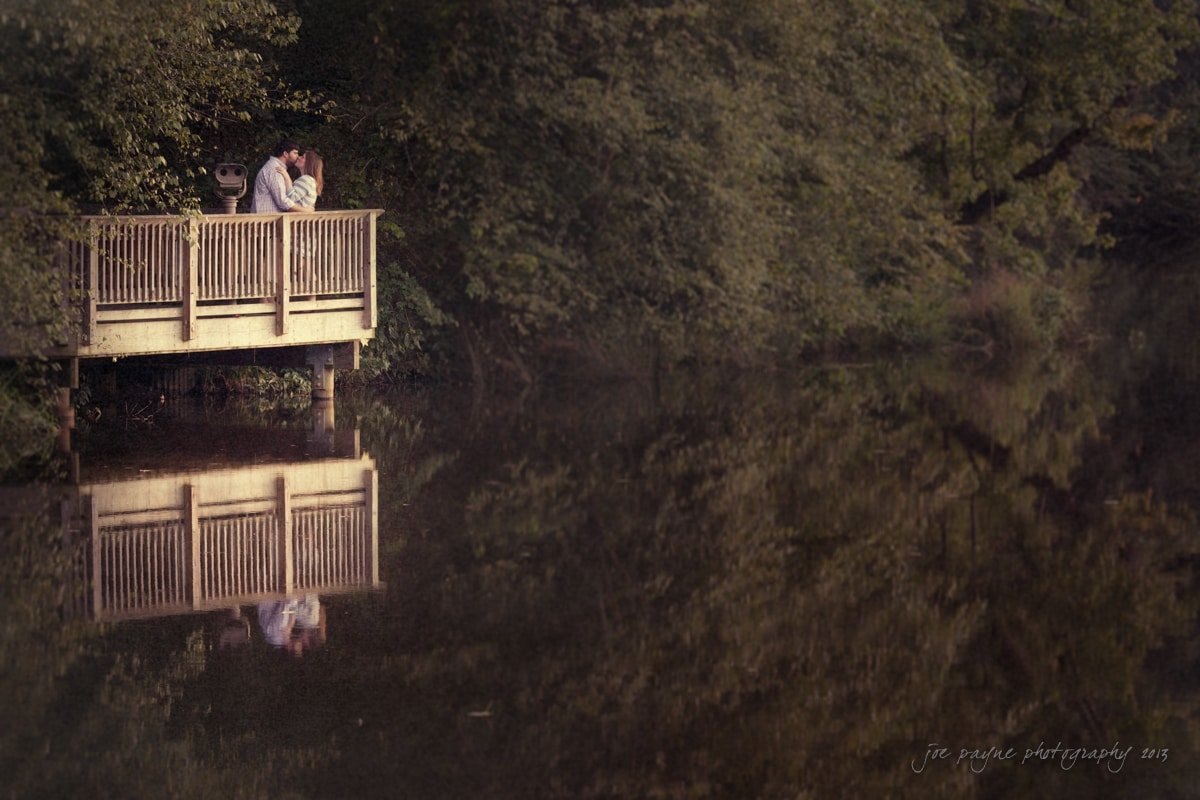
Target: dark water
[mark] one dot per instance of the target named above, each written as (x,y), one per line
(790,585)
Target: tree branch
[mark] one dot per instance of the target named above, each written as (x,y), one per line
(972,212)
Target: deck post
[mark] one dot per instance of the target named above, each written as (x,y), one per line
(283,528)
(91,290)
(283,274)
(190,248)
(371,485)
(370,312)
(192,528)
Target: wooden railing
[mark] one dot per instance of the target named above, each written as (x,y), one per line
(138,269)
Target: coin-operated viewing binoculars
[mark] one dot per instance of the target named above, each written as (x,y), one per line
(231,185)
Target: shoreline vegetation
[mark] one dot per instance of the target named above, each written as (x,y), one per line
(622,188)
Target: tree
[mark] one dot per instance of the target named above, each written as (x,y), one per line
(106,105)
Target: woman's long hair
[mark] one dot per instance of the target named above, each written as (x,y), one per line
(314,165)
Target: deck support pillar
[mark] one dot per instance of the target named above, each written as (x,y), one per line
(322,386)
(320,358)
(324,360)
(323,438)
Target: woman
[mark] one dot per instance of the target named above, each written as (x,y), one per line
(304,192)
(311,183)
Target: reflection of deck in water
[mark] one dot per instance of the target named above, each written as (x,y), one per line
(227,537)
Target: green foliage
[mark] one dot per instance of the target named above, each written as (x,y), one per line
(701,179)
(600,164)
(115,97)
(696,179)
(111,104)
(412,317)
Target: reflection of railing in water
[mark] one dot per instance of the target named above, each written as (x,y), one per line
(140,568)
(339,530)
(230,537)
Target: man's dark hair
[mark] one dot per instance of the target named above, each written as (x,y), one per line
(283,147)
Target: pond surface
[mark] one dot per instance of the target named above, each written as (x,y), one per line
(828,583)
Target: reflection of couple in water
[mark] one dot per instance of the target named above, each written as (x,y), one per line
(295,625)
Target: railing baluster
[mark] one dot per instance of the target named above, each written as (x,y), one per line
(137,553)
(154,574)
(324,549)
(114,265)
(223,266)
(164,265)
(119,265)
(242,276)
(244,232)
(209,254)
(225,269)
(339,254)
(129,257)
(343,562)
(244,527)
(350,255)
(129,247)
(203,278)
(211,262)
(142,261)
(118,274)
(139,261)
(157,267)
(129,261)
(245,264)
(239,234)
(165,277)
(335,256)
(324,265)
(265,279)
(103,265)
(125,578)
(144,546)
(330,280)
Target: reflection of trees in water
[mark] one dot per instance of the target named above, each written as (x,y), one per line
(793,588)
(750,588)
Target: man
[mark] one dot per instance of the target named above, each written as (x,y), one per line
(270,187)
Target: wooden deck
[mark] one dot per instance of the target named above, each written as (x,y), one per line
(143,285)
